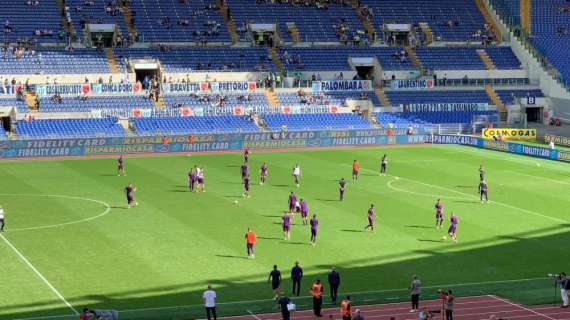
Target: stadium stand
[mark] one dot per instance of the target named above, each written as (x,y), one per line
(202,59)
(54,61)
(179,21)
(508,96)
(329,22)
(435,58)
(330,98)
(438,96)
(98,12)
(67,128)
(76,104)
(35,20)
(450,20)
(405,119)
(319,121)
(21,106)
(216,100)
(186,125)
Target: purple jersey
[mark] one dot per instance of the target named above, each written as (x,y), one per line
(314,223)
(453,220)
(120,162)
(304,207)
(263,170)
(286,222)
(439,210)
(371,214)
(244,169)
(192,176)
(292,200)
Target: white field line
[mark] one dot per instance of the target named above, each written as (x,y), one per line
(29,264)
(253,315)
(538,177)
(522,307)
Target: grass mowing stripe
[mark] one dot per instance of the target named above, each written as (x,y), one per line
(29,264)
(538,177)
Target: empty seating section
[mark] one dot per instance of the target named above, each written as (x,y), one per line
(74,104)
(213,100)
(179,21)
(503,57)
(21,106)
(336,58)
(96,13)
(405,119)
(508,96)
(435,13)
(336,98)
(186,125)
(319,121)
(509,10)
(54,61)
(20,20)
(3,135)
(466,58)
(313,24)
(200,59)
(61,128)
(438,96)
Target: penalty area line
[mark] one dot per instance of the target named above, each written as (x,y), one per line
(253,314)
(29,264)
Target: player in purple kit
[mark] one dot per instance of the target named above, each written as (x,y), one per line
(304,210)
(121,166)
(371,216)
(244,169)
(483,188)
(286,224)
(246,186)
(192,179)
(438,213)
(246,154)
(130,193)
(341,188)
(263,173)
(452,231)
(292,201)
(314,226)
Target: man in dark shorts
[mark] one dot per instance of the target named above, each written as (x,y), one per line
(244,169)
(275,280)
(246,154)
(246,186)
(130,193)
(483,188)
(383,165)
(121,166)
(283,301)
(481,173)
(304,210)
(314,227)
(371,216)
(1,219)
(263,173)
(341,188)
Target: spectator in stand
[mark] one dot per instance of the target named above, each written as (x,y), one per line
(209,297)
(334,283)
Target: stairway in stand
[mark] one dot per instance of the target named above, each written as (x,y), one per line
(128,14)
(365,22)
(225,12)
(382,97)
(31,100)
(69,27)
(427,31)
(414,58)
(111,60)
(489,19)
(525,13)
(489,64)
(275,58)
(271,98)
(497,102)
(294,32)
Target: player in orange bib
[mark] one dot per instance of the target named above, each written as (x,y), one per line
(355,169)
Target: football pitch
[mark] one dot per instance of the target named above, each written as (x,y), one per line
(70,242)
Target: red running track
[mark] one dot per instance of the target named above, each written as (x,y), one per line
(466,308)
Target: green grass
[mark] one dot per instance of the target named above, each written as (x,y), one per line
(165,251)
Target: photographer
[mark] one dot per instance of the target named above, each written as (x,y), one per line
(564,283)
(448,301)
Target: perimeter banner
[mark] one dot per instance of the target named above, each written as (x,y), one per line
(558,140)
(509,134)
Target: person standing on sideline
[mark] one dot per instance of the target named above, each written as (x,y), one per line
(357,315)
(284,302)
(317,293)
(341,188)
(448,301)
(210,302)
(564,283)
(346,309)
(1,219)
(296,276)
(415,291)
(334,282)
(275,279)
(250,238)
(383,165)
(355,169)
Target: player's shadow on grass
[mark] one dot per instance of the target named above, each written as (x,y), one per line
(279,185)
(429,240)
(351,230)
(230,256)
(232,196)
(178,190)
(233,166)
(269,238)
(271,216)
(232,182)
(419,227)
(108,175)
(294,242)
(328,200)
(119,207)
(466,201)
(466,187)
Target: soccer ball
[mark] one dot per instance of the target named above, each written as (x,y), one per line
(396,178)
(444,238)
(235,202)
(538,164)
